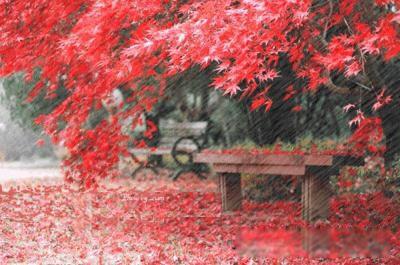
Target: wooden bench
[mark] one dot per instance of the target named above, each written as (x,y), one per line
(178,139)
(314,171)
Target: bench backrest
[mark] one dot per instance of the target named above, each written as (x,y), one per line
(171,131)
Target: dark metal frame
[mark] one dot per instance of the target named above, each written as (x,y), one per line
(189,165)
(199,169)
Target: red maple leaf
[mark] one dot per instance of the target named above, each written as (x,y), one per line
(348,107)
(290,92)
(40,142)
(353,69)
(261,101)
(381,100)
(357,119)
(297,108)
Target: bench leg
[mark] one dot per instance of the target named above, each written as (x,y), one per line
(133,174)
(316,242)
(175,175)
(315,196)
(231,191)
(143,165)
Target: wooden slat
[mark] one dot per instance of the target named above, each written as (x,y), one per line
(260,169)
(181,129)
(187,147)
(161,150)
(278,159)
(197,125)
(168,141)
(318,160)
(249,159)
(178,133)
(176,130)
(147,151)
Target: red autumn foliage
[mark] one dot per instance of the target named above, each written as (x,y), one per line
(94,46)
(40,142)
(381,100)
(261,102)
(368,137)
(297,108)
(180,222)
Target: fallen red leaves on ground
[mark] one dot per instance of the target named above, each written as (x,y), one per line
(165,222)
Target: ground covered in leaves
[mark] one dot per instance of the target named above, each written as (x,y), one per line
(157,221)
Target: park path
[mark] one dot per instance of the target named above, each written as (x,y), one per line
(29,172)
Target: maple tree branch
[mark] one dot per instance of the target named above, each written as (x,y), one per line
(330,84)
(337,89)
(364,78)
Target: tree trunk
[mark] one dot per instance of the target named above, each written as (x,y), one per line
(280,121)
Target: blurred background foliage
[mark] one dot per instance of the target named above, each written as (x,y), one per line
(15,99)
(190,96)
(303,120)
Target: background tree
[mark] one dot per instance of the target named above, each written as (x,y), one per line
(24,111)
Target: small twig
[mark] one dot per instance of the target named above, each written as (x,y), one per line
(328,19)
(363,86)
(348,26)
(363,61)
(316,5)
